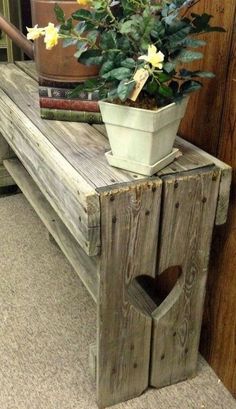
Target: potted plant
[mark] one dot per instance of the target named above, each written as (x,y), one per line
(142,47)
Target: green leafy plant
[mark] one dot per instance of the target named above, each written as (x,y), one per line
(124,36)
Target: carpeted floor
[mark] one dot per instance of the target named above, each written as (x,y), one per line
(47,322)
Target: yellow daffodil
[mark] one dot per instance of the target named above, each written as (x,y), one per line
(34,32)
(153,57)
(51,36)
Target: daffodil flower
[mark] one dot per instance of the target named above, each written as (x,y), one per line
(35,32)
(51,36)
(153,57)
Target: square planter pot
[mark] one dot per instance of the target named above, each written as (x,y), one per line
(141,136)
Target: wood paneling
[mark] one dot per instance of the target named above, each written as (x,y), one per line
(221,300)
(211,124)
(203,119)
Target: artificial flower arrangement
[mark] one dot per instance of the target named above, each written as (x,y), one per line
(142,48)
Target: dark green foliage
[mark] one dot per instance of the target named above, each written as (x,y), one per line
(115,33)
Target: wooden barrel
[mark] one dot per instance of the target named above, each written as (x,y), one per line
(58,64)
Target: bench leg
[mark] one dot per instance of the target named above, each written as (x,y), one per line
(5,153)
(189,207)
(129,230)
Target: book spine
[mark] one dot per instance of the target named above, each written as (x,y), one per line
(69,104)
(73,116)
(61,93)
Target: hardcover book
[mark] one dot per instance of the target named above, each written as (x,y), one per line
(73,116)
(69,104)
(61,93)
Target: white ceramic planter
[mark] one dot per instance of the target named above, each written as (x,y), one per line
(141,136)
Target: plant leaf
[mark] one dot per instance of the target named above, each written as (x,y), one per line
(190,86)
(194,43)
(128,63)
(165,91)
(108,40)
(80,27)
(60,15)
(118,74)
(169,67)
(106,67)
(81,48)
(91,57)
(189,56)
(82,14)
(125,88)
(163,77)
(68,42)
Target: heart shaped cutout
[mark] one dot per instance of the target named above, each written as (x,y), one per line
(147,293)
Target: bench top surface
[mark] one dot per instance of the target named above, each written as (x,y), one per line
(66,159)
(81,144)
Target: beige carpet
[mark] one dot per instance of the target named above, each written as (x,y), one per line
(47,322)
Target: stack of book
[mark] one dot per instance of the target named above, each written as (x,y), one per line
(56,103)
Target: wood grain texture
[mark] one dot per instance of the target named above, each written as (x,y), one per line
(85,266)
(81,145)
(69,194)
(192,151)
(5,178)
(219,331)
(5,150)
(129,229)
(29,68)
(189,205)
(202,122)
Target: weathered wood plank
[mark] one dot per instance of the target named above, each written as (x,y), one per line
(225,178)
(129,230)
(29,68)
(85,266)
(5,178)
(69,194)
(81,145)
(5,150)
(189,205)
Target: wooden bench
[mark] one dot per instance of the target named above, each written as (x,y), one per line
(140,245)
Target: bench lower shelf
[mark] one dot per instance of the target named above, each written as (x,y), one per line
(85,266)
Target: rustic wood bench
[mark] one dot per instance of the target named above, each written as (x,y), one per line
(140,245)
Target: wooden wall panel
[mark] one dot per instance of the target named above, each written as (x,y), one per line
(211,124)
(219,335)
(203,120)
